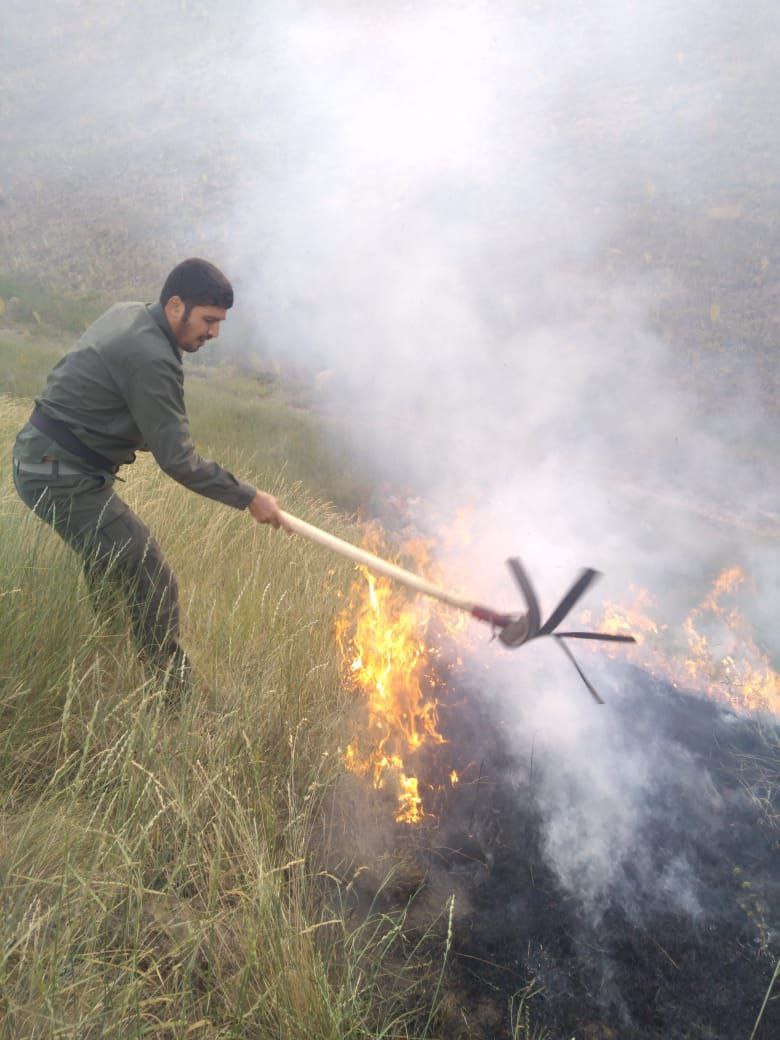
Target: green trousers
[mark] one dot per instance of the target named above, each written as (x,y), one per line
(117,551)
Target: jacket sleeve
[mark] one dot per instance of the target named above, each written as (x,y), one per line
(154,393)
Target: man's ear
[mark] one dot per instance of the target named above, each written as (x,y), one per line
(174,308)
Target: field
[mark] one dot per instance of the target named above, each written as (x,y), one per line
(210,872)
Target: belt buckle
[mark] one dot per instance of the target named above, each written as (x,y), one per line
(55,465)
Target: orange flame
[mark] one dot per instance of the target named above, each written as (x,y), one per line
(390,654)
(716,654)
(382,635)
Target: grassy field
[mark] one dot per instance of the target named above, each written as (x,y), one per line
(162,873)
(176,875)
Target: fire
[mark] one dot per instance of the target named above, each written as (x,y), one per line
(382,633)
(714,653)
(390,642)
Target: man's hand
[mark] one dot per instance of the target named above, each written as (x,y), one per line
(265,509)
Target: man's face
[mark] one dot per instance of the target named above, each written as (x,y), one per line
(192,330)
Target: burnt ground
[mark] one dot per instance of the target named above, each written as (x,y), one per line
(530,952)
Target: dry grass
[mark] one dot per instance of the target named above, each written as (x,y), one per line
(160,871)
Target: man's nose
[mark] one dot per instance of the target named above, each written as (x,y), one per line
(213,332)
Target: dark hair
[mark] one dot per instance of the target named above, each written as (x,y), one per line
(199,284)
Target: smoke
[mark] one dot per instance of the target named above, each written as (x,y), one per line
(529,243)
(614,783)
(470,216)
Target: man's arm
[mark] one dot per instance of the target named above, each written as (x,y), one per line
(155,397)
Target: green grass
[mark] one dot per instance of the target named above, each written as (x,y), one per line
(297,441)
(40,303)
(163,873)
(26,356)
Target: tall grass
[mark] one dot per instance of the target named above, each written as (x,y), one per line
(159,870)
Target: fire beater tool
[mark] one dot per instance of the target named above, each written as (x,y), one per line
(513,629)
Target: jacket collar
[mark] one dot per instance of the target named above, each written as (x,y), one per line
(158,314)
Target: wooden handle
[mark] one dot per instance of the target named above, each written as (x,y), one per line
(375,563)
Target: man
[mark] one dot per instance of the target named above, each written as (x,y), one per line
(119,391)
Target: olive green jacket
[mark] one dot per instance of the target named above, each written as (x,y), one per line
(121,390)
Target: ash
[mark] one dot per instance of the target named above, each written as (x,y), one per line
(646,908)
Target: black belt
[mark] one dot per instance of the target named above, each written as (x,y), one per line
(66,438)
